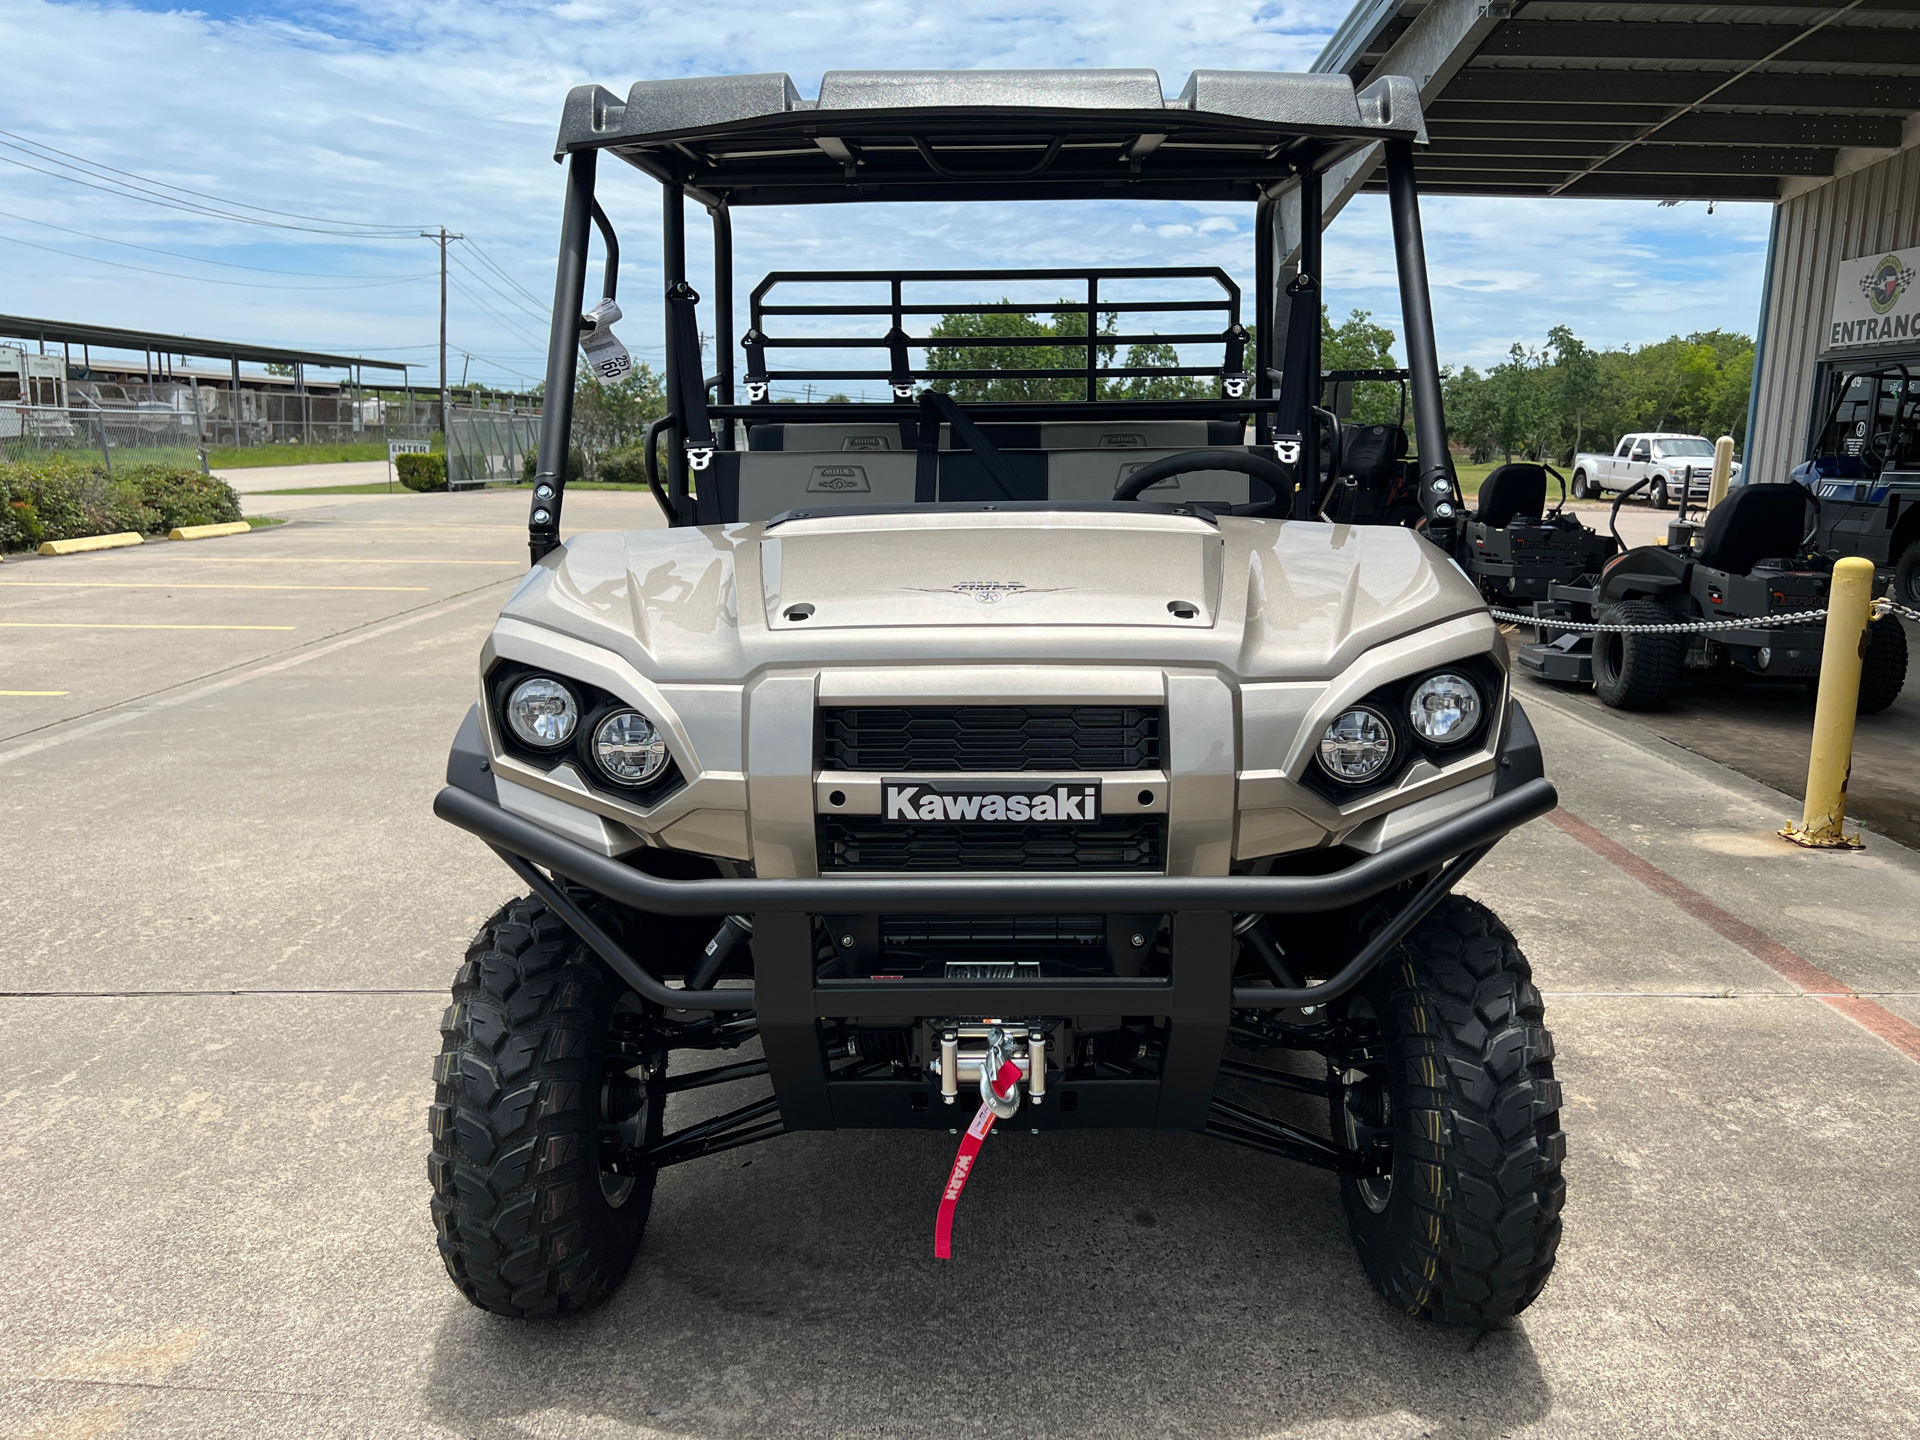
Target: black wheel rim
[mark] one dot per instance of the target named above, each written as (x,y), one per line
(1366,1115)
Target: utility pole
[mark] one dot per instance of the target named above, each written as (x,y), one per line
(442,237)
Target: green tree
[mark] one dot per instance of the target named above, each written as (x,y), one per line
(607,416)
(1356,343)
(1065,327)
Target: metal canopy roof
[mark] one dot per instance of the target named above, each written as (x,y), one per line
(987,134)
(1687,101)
(61,332)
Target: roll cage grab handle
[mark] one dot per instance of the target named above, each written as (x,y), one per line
(1293,425)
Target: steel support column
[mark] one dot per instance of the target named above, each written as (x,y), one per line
(556,410)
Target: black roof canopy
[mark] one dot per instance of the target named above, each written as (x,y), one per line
(988,134)
(1690,99)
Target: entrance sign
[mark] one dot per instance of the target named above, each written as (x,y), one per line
(1876,301)
(397,448)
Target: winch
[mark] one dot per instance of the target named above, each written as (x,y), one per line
(973,1052)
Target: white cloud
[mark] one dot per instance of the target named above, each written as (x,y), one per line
(422,114)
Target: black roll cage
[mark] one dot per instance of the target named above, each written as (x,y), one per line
(1284,418)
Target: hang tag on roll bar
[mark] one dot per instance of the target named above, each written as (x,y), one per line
(604,352)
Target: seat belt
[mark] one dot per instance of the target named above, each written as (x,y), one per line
(688,397)
(900,371)
(935,406)
(755,344)
(1299,391)
(1233,379)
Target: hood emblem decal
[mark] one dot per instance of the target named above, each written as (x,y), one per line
(987,592)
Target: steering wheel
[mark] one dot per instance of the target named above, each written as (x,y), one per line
(1259,467)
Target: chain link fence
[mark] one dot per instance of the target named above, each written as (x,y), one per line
(102,419)
(489,443)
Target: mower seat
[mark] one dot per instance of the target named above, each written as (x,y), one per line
(1509,491)
(1368,453)
(1754,523)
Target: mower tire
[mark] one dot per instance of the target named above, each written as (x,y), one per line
(533,1103)
(1883,668)
(1636,672)
(1464,1228)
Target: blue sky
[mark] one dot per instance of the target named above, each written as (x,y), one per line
(385,119)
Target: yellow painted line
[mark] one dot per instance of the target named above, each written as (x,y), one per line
(74,625)
(209,532)
(91,542)
(184,585)
(338,560)
(33,692)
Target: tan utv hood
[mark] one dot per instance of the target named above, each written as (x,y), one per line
(1258,599)
(991,568)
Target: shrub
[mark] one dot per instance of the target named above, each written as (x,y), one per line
(576,465)
(58,497)
(624,467)
(422,472)
(184,497)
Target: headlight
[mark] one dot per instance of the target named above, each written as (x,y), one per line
(628,748)
(542,712)
(1357,746)
(1445,708)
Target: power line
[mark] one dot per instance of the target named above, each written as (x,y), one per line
(206,212)
(207,279)
(480,277)
(493,314)
(148,180)
(196,259)
(538,304)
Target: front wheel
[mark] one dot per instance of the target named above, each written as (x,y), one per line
(1657,493)
(1464,1226)
(541,1105)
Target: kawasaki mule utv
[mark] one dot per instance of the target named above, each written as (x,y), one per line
(1039,749)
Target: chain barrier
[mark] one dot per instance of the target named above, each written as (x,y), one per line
(1691,627)
(1881,608)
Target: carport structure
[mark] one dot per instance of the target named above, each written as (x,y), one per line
(1811,107)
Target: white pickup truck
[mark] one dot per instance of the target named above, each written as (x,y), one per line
(1659,458)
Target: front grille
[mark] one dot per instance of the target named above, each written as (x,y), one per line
(997,739)
(1131,842)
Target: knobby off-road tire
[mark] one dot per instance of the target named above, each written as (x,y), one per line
(1906,577)
(1636,672)
(1465,1229)
(1883,668)
(530,1093)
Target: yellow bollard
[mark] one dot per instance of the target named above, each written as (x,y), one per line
(1849,605)
(1722,470)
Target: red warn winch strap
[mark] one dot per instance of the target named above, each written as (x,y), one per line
(1003,1084)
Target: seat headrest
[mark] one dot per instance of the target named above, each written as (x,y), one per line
(1754,523)
(1369,452)
(1512,490)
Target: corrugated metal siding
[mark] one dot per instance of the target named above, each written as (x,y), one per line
(1877,208)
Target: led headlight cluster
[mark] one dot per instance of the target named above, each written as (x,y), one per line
(625,746)
(1364,742)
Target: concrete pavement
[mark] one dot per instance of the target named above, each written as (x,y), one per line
(215,1204)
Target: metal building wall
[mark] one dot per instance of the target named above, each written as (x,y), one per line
(1874,209)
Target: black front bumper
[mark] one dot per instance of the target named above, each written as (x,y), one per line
(1196,1000)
